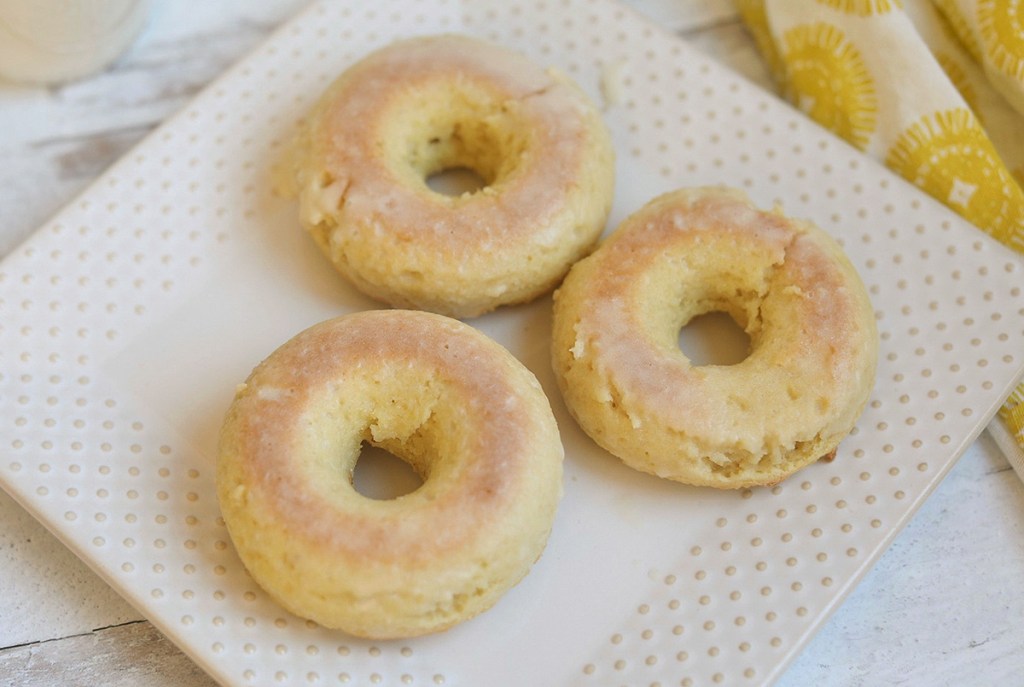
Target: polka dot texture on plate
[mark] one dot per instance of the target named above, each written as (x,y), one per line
(126,321)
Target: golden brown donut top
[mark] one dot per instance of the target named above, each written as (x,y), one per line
(304,403)
(783,280)
(539,119)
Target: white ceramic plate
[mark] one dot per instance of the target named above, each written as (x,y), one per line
(127,321)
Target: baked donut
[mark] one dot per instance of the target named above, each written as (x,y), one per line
(436,103)
(813,341)
(454,404)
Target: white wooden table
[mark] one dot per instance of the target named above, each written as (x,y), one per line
(944,606)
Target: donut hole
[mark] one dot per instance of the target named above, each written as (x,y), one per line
(458,141)
(714,338)
(455,181)
(459,157)
(381,475)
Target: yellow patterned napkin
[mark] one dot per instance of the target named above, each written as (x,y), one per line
(934,88)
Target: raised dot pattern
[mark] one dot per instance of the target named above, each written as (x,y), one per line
(732,595)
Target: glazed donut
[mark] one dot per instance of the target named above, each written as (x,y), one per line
(460,409)
(813,341)
(429,104)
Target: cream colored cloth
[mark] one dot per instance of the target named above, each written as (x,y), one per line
(933,88)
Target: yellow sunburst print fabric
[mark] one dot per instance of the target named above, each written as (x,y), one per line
(993,31)
(933,88)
